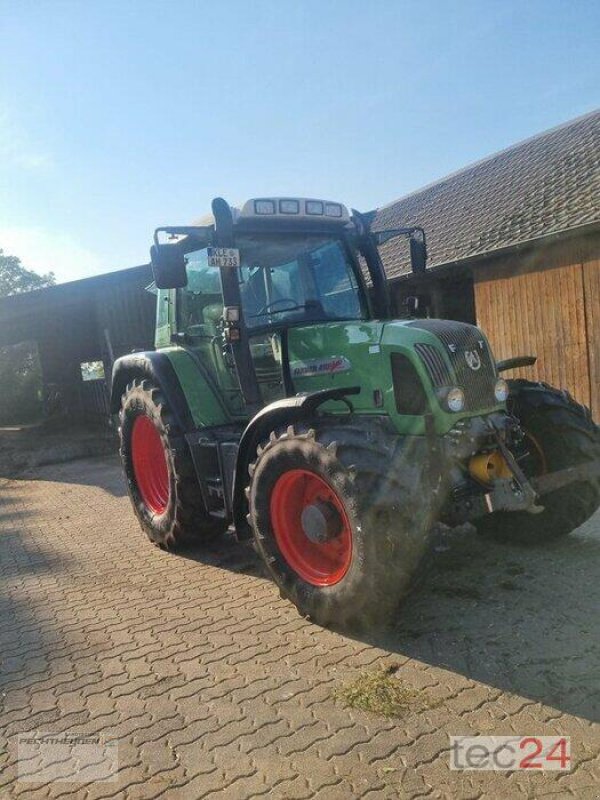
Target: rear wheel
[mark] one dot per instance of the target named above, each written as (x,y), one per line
(160,474)
(334,517)
(558,433)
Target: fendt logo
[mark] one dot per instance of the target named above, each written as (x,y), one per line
(473,359)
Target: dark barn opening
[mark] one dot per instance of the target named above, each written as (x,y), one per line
(87,322)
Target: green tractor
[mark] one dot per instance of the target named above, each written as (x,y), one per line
(283,401)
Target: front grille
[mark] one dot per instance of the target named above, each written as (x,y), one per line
(463,344)
(435,365)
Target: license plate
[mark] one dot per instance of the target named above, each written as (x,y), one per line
(223,257)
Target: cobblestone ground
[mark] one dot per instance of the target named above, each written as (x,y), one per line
(214,687)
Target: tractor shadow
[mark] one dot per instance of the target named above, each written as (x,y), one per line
(54,452)
(27,637)
(226,553)
(523,620)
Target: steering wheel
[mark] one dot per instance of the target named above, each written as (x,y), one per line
(265,309)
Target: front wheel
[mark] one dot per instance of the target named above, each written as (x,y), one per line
(159,470)
(558,433)
(337,524)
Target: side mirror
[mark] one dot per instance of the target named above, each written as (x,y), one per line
(418,251)
(168,266)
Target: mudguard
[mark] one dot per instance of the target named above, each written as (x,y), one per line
(158,368)
(282,412)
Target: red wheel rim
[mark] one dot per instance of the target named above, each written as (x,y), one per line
(150,465)
(319,563)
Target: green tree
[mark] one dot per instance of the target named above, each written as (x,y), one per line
(20,373)
(16,279)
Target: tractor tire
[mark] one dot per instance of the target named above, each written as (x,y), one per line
(559,433)
(160,474)
(341,530)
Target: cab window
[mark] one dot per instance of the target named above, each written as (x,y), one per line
(337,287)
(200,303)
(297,279)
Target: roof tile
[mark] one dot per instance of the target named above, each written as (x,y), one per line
(541,186)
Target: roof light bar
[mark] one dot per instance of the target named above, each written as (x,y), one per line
(298,208)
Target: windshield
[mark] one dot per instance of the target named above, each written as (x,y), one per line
(299,278)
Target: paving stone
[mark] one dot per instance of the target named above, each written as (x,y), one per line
(214,687)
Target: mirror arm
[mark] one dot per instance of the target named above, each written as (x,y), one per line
(418,244)
(408,232)
(202,233)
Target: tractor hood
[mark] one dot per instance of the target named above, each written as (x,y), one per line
(452,354)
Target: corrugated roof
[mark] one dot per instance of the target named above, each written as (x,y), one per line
(544,185)
(61,291)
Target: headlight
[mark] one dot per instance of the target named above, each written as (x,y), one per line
(501,390)
(455,399)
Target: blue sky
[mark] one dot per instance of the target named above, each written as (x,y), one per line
(116,117)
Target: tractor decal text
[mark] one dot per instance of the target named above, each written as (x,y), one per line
(319,366)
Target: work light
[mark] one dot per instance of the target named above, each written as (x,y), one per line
(289,207)
(264,207)
(231,314)
(333,210)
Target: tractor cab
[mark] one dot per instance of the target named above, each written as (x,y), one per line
(233,290)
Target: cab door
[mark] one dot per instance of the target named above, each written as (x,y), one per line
(261,291)
(199,325)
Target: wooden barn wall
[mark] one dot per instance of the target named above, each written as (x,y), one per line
(591,287)
(546,302)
